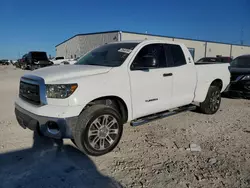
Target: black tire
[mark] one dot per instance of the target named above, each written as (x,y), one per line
(212,102)
(85,124)
(24,66)
(65,63)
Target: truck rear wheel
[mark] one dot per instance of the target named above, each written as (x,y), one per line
(212,102)
(98,130)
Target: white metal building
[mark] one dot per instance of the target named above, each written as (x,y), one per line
(80,44)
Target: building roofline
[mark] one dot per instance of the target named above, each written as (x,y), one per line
(185,38)
(82,34)
(123,31)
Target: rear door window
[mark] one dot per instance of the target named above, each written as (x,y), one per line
(174,55)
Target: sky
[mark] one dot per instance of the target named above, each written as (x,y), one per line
(27,25)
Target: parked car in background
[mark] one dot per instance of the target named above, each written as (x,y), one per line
(4,62)
(17,64)
(34,60)
(116,83)
(73,61)
(20,62)
(217,59)
(240,77)
(59,61)
(63,61)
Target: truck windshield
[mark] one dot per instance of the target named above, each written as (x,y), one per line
(111,55)
(241,62)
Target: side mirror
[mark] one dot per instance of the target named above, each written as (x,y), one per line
(149,61)
(145,63)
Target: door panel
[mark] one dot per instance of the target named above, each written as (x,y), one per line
(151,91)
(151,81)
(184,83)
(184,75)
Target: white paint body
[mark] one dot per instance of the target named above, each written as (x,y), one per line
(58,61)
(188,84)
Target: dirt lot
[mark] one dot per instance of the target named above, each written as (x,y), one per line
(151,155)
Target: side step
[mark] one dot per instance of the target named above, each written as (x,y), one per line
(161,115)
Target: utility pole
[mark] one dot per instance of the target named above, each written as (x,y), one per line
(241,36)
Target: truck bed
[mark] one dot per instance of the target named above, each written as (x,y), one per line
(208,72)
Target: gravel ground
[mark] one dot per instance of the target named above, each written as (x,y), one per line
(152,155)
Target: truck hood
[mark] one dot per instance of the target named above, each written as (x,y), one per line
(55,73)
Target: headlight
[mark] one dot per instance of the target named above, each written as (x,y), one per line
(247,77)
(60,91)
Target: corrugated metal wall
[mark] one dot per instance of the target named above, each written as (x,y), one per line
(214,49)
(81,44)
(198,46)
(202,48)
(240,50)
(69,49)
(89,42)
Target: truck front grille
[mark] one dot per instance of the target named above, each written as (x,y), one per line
(30,92)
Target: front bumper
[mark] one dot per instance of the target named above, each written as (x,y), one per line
(240,89)
(62,127)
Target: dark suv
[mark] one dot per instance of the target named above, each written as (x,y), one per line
(35,59)
(240,77)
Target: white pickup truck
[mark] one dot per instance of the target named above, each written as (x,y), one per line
(63,61)
(132,81)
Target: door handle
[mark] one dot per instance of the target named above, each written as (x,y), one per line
(167,74)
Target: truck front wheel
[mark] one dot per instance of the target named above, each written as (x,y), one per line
(23,66)
(98,130)
(212,102)
(32,67)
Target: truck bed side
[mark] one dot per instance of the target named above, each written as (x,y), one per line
(206,74)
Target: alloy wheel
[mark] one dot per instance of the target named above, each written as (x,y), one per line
(214,101)
(103,132)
